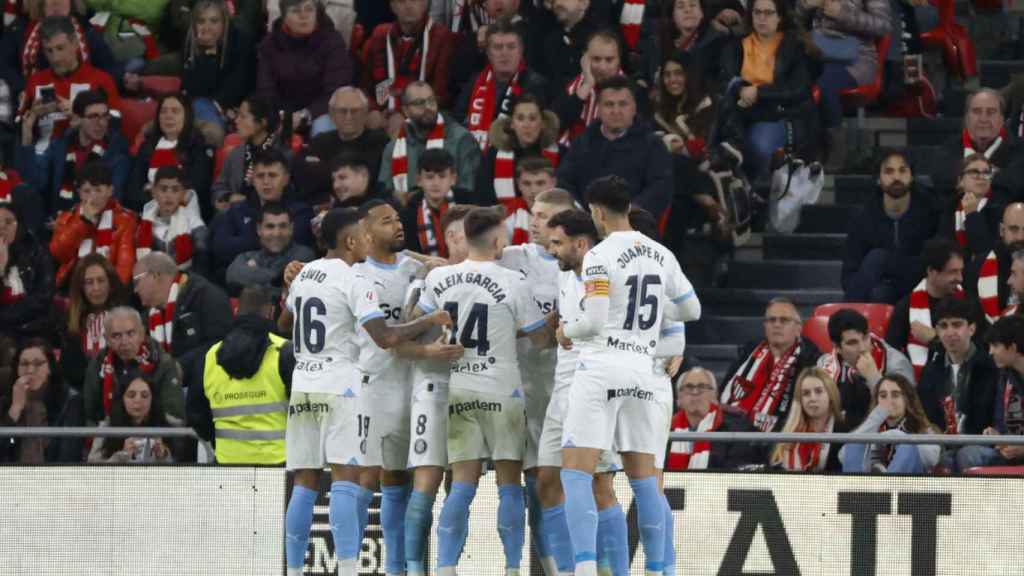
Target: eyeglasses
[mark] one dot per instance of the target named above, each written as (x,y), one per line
(138,277)
(696,388)
(780,320)
(763,13)
(420,102)
(982,174)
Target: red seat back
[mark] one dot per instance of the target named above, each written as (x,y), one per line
(816,330)
(868,93)
(134,115)
(878,315)
(160,85)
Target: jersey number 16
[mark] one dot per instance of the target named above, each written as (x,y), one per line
(310,333)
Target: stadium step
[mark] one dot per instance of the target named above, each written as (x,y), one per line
(824,219)
(734,330)
(784,274)
(752,302)
(715,357)
(931,131)
(853,189)
(804,246)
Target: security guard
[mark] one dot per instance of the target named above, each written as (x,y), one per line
(242,399)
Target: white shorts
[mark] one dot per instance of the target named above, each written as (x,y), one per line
(663,393)
(615,406)
(428,422)
(482,426)
(537,400)
(387,408)
(549,448)
(324,429)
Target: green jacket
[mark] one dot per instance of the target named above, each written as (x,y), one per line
(149,11)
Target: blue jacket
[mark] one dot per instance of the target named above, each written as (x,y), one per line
(234,231)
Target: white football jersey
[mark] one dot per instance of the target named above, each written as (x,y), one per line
(640,277)
(540,270)
(570,307)
(488,304)
(390,281)
(329,301)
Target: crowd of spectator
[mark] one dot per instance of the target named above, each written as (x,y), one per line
(123,242)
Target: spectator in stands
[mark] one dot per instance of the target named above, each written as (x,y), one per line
(576,103)
(172,141)
(816,409)
(846,32)
(218,63)
(137,405)
(896,411)
(251,368)
(423,214)
(884,240)
(1005,343)
(37,395)
(413,48)
(767,82)
(130,353)
(97,224)
(426,128)
(171,224)
(349,109)
(46,101)
(302,62)
(684,111)
(958,386)
(620,146)
(95,290)
(564,46)
(234,231)
(528,131)
(761,383)
(492,93)
(973,217)
(186,311)
(53,173)
(351,183)
(258,123)
(27,281)
(1016,284)
(534,175)
(684,31)
(989,274)
(699,412)
(984,133)
(858,361)
(265,267)
(471,48)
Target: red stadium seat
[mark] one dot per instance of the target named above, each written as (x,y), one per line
(355,43)
(861,96)
(995,471)
(230,141)
(134,115)
(234,306)
(816,330)
(954,41)
(877,314)
(160,85)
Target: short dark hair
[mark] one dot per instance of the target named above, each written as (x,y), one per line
(349,160)
(503,26)
(372,203)
(644,222)
(938,251)
(253,300)
(611,192)
(951,307)
(1008,331)
(96,173)
(533,165)
(336,221)
(273,209)
(455,213)
(843,320)
(884,154)
(480,221)
(575,223)
(172,172)
(89,98)
(436,161)
(53,26)
(615,83)
(269,157)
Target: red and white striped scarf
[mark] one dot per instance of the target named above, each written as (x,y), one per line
(161,321)
(630,20)
(842,372)
(920,312)
(990,151)
(395,84)
(988,287)
(179,231)
(10,12)
(518,222)
(505,175)
(484,101)
(428,226)
(400,153)
(164,154)
(809,456)
(99,22)
(77,156)
(472,11)
(761,392)
(587,114)
(14,288)
(103,238)
(960,221)
(693,455)
(92,333)
(146,366)
(33,40)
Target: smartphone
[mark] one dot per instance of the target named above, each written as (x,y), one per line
(47,94)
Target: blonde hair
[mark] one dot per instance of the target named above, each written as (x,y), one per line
(796,422)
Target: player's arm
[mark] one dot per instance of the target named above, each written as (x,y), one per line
(388,337)
(672,341)
(596,302)
(439,349)
(683,304)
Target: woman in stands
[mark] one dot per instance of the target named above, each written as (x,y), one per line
(95,289)
(817,398)
(36,395)
(976,209)
(26,272)
(897,411)
(846,32)
(258,122)
(767,82)
(135,405)
(683,109)
(685,28)
(172,140)
(219,64)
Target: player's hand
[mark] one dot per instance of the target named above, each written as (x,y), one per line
(432,262)
(440,349)
(291,271)
(866,366)
(924,334)
(552,319)
(564,342)
(440,318)
(672,365)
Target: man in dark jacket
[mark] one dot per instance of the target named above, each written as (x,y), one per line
(986,277)
(985,133)
(884,240)
(27,283)
(618,145)
(564,46)
(186,311)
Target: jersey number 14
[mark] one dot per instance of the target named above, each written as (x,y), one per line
(474,333)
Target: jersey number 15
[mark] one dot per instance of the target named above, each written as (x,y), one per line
(640,298)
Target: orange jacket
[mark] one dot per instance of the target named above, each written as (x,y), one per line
(72,229)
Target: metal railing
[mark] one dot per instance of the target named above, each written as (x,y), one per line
(105,432)
(847,438)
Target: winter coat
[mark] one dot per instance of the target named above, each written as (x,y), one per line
(166,379)
(457,141)
(865,20)
(440,54)
(977,398)
(63,408)
(202,316)
(225,78)
(234,231)
(31,314)
(502,139)
(12,48)
(529,82)
(312,167)
(790,88)
(232,173)
(71,230)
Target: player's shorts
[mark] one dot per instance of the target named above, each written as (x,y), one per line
(387,408)
(428,422)
(482,425)
(663,393)
(549,447)
(324,429)
(615,405)
(538,399)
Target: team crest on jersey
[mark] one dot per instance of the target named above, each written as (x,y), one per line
(420,446)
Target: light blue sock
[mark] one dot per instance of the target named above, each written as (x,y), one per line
(297,522)
(364,498)
(670,543)
(344,520)
(392,521)
(580,514)
(613,545)
(453,523)
(418,517)
(512,523)
(651,519)
(536,518)
(559,541)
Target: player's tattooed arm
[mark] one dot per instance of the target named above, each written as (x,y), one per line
(439,349)
(388,337)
